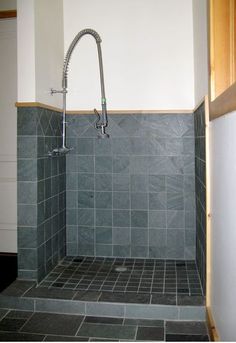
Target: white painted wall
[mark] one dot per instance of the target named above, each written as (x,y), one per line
(200,44)
(223,186)
(49,50)
(8,92)
(25,51)
(40,50)
(147,52)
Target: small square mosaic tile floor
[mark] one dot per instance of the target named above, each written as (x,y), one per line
(125,275)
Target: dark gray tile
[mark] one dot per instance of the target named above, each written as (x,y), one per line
(19,314)
(20,337)
(150,334)
(107,331)
(125,297)
(50,293)
(186,338)
(186,327)
(144,322)
(193,300)
(2,313)
(54,338)
(18,288)
(48,323)
(11,324)
(163,299)
(87,296)
(103,320)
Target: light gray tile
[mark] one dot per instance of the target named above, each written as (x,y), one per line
(121,218)
(108,310)
(139,183)
(121,200)
(139,236)
(151,312)
(85,199)
(139,201)
(85,164)
(103,182)
(157,201)
(103,217)
(60,306)
(192,313)
(103,235)
(157,219)
(121,236)
(139,218)
(121,182)
(103,200)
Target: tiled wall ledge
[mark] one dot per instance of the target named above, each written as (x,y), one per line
(110,112)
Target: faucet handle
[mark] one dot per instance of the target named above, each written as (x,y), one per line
(97,122)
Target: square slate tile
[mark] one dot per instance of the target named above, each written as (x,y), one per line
(107,331)
(186,338)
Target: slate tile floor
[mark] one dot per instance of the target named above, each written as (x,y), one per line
(37,326)
(142,276)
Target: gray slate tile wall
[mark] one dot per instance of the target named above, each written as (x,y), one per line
(200,179)
(41,193)
(132,195)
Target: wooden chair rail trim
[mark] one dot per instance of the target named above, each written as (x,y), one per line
(110,112)
(8,14)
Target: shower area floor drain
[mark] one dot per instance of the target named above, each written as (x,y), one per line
(121,269)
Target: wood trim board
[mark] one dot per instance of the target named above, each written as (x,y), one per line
(110,112)
(8,14)
(213,333)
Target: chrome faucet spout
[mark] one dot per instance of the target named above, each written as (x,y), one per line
(103,120)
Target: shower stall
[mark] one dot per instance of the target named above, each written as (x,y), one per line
(119,218)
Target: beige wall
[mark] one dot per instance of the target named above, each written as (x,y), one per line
(7,5)
(8,63)
(200,50)
(40,50)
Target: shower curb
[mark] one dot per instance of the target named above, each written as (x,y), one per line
(15,297)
